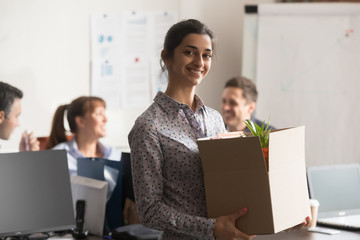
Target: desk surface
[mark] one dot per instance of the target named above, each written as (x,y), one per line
(305,235)
(295,235)
(69,237)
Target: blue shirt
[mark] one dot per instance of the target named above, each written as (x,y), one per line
(73,153)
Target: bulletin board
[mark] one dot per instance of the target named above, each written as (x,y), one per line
(125,52)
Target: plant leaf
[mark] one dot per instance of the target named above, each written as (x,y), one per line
(250,126)
(262,132)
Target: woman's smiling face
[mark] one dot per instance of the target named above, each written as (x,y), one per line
(191,60)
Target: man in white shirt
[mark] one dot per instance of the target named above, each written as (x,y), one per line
(10,109)
(238,104)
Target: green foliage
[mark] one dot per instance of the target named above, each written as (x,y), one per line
(262,132)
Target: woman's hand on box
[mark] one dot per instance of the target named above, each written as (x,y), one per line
(304,224)
(225,227)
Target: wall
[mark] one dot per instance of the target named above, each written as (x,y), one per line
(45,51)
(310,77)
(225,18)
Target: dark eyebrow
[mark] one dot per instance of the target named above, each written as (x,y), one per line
(193,47)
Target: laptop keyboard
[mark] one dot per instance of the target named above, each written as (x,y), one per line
(352,222)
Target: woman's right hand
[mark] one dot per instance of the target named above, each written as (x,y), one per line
(225,229)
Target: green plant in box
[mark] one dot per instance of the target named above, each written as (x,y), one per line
(261,131)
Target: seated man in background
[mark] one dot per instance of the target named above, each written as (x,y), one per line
(10,109)
(238,103)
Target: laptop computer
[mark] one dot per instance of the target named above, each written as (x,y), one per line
(337,188)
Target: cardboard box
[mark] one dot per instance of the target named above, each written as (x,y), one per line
(235,177)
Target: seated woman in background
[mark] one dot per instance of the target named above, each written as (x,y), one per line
(87,122)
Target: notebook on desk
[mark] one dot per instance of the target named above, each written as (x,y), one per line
(337,188)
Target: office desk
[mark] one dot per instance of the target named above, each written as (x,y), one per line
(305,235)
(70,237)
(295,235)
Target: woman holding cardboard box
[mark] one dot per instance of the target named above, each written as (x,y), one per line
(167,172)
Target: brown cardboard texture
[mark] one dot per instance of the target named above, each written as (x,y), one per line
(235,177)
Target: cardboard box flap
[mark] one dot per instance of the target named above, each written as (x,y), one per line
(238,161)
(287,177)
(294,140)
(224,151)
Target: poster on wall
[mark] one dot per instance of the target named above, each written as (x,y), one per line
(125,57)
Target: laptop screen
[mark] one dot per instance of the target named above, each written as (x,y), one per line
(35,193)
(336,187)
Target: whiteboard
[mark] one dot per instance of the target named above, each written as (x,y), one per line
(307,72)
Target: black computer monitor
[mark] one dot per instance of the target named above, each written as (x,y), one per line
(35,193)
